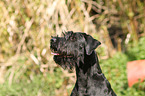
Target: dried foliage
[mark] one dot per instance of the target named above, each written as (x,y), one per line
(26,27)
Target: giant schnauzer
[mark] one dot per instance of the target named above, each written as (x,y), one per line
(77,50)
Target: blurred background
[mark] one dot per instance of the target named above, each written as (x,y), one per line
(26,26)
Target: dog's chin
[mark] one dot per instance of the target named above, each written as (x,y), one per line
(66,62)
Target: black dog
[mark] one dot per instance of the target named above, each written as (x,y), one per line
(77,49)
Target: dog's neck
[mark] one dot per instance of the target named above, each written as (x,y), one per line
(86,70)
(90,63)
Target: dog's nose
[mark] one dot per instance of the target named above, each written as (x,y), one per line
(53,40)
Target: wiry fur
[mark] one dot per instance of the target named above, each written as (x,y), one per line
(77,50)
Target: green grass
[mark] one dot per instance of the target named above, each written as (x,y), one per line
(38,86)
(114,69)
(26,29)
(27,88)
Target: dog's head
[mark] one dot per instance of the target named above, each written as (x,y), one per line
(71,48)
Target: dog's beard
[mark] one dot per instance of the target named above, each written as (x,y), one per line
(67,56)
(65,62)
(68,62)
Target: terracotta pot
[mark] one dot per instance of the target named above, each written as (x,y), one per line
(135,71)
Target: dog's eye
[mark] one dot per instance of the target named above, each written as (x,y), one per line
(72,38)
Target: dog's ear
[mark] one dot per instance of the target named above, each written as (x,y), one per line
(91,44)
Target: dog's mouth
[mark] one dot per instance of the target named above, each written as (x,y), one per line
(64,60)
(61,55)
(57,54)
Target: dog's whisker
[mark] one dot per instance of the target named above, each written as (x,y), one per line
(77,50)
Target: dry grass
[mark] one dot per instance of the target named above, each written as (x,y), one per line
(26,27)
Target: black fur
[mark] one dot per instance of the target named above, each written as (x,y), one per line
(77,50)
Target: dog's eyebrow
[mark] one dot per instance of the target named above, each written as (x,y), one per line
(63,32)
(81,55)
